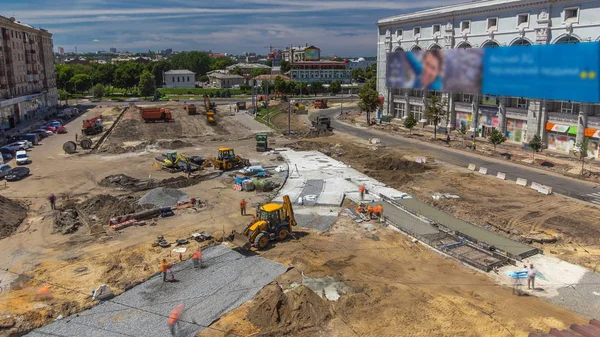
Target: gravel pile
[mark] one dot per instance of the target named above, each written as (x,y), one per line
(163,197)
(228,280)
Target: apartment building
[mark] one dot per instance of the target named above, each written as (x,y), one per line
(488,24)
(27,77)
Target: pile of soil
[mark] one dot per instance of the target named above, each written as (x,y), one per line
(119,181)
(173,144)
(127,183)
(395,164)
(12,213)
(66,221)
(277,313)
(102,207)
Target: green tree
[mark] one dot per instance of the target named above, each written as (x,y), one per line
(158,68)
(103,73)
(358,75)
(301,88)
(335,87)
(64,73)
(535,144)
(316,88)
(496,138)
(147,84)
(410,122)
(581,151)
(63,95)
(195,61)
(369,100)
(280,85)
(127,75)
(221,63)
(98,90)
(285,66)
(435,111)
(237,71)
(463,132)
(203,78)
(372,83)
(257,72)
(269,63)
(81,83)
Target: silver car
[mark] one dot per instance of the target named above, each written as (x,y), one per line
(4,168)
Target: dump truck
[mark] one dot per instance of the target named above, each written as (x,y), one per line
(226,160)
(191,109)
(241,106)
(155,114)
(92,126)
(320,103)
(273,222)
(262,144)
(320,122)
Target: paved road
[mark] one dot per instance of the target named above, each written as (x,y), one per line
(560,184)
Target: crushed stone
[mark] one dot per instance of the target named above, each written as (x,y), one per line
(163,197)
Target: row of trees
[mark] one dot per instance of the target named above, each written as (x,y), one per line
(77,78)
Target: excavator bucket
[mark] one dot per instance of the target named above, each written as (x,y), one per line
(241,240)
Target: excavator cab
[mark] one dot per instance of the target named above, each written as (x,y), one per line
(226,154)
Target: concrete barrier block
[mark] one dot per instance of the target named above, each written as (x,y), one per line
(472,167)
(535,186)
(421,160)
(521,182)
(501,176)
(483,170)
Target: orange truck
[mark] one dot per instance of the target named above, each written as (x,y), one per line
(156,114)
(320,103)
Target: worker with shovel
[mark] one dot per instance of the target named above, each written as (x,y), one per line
(173,321)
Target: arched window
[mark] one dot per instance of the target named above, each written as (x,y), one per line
(416,48)
(490,44)
(567,39)
(464,45)
(435,47)
(521,42)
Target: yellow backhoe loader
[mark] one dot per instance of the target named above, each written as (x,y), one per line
(210,109)
(273,222)
(226,160)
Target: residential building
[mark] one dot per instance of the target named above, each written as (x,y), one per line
(169,51)
(270,78)
(224,80)
(27,77)
(113,50)
(61,50)
(301,54)
(360,63)
(139,59)
(248,67)
(77,60)
(180,79)
(493,23)
(320,71)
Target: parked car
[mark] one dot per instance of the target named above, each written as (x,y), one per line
(53,124)
(22,158)
(31,137)
(47,132)
(61,129)
(4,168)
(17,146)
(17,173)
(49,128)
(40,133)
(6,155)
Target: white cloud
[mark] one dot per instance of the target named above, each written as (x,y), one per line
(95,40)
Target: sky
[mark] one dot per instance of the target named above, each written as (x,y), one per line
(338,27)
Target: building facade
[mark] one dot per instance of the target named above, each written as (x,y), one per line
(301,54)
(27,77)
(225,80)
(175,79)
(247,68)
(488,24)
(320,71)
(360,63)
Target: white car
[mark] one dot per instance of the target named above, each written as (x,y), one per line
(22,158)
(47,132)
(17,146)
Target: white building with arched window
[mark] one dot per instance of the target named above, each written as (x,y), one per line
(493,23)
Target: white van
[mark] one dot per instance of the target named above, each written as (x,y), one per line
(22,158)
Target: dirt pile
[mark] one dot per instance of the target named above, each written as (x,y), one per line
(173,144)
(102,207)
(127,183)
(276,312)
(12,213)
(395,164)
(119,181)
(66,221)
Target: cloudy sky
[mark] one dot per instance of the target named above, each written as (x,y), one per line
(339,27)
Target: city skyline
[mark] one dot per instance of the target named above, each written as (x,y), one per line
(339,27)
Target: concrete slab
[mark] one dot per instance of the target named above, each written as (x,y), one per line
(317,218)
(228,280)
(408,222)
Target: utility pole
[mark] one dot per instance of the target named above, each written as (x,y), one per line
(342,102)
(289,116)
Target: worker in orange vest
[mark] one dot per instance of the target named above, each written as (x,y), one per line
(360,209)
(361,189)
(378,211)
(370,210)
(173,321)
(164,266)
(196,258)
(243,207)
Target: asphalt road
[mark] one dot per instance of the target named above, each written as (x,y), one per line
(560,184)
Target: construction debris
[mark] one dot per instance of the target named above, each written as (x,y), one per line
(12,213)
(66,221)
(439,196)
(163,197)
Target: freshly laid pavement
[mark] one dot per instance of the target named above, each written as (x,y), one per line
(228,280)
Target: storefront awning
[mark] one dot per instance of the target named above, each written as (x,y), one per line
(592,133)
(557,127)
(572,130)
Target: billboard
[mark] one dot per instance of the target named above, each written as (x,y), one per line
(312,54)
(557,72)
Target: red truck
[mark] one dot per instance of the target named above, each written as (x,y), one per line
(156,114)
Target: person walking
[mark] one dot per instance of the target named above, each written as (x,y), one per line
(531,273)
(173,321)
(243,207)
(189,169)
(75,137)
(164,267)
(361,189)
(52,199)
(196,258)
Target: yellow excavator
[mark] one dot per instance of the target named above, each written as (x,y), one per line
(172,159)
(226,160)
(210,108)
(273,222)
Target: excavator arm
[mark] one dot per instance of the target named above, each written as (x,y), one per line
(287,205)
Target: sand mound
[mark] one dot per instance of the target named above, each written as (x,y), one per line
(277,312)
(12,213)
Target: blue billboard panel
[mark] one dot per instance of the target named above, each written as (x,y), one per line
(557,72)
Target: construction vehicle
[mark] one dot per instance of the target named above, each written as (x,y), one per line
(226,160)
(300,108)
(273,222)
(320,122)
(155,114)
(210,108)
(175,162)
(262,144)
(92,126)
(320,103)
(241,106)
(191,109)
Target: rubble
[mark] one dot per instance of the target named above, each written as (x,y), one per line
(163,197)
(66,221)
(12,213)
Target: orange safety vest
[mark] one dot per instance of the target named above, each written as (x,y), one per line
(378,209)
(242,204)
(369,209)
(196,255)
(163,267)
(361,188)
(173,318)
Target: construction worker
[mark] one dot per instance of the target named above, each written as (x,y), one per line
(361,189)
(243,207)
(360,209)
(370,210)
(164,267)
(76,137)
(378,211)
(173,321)
(196,258)
(52,199)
